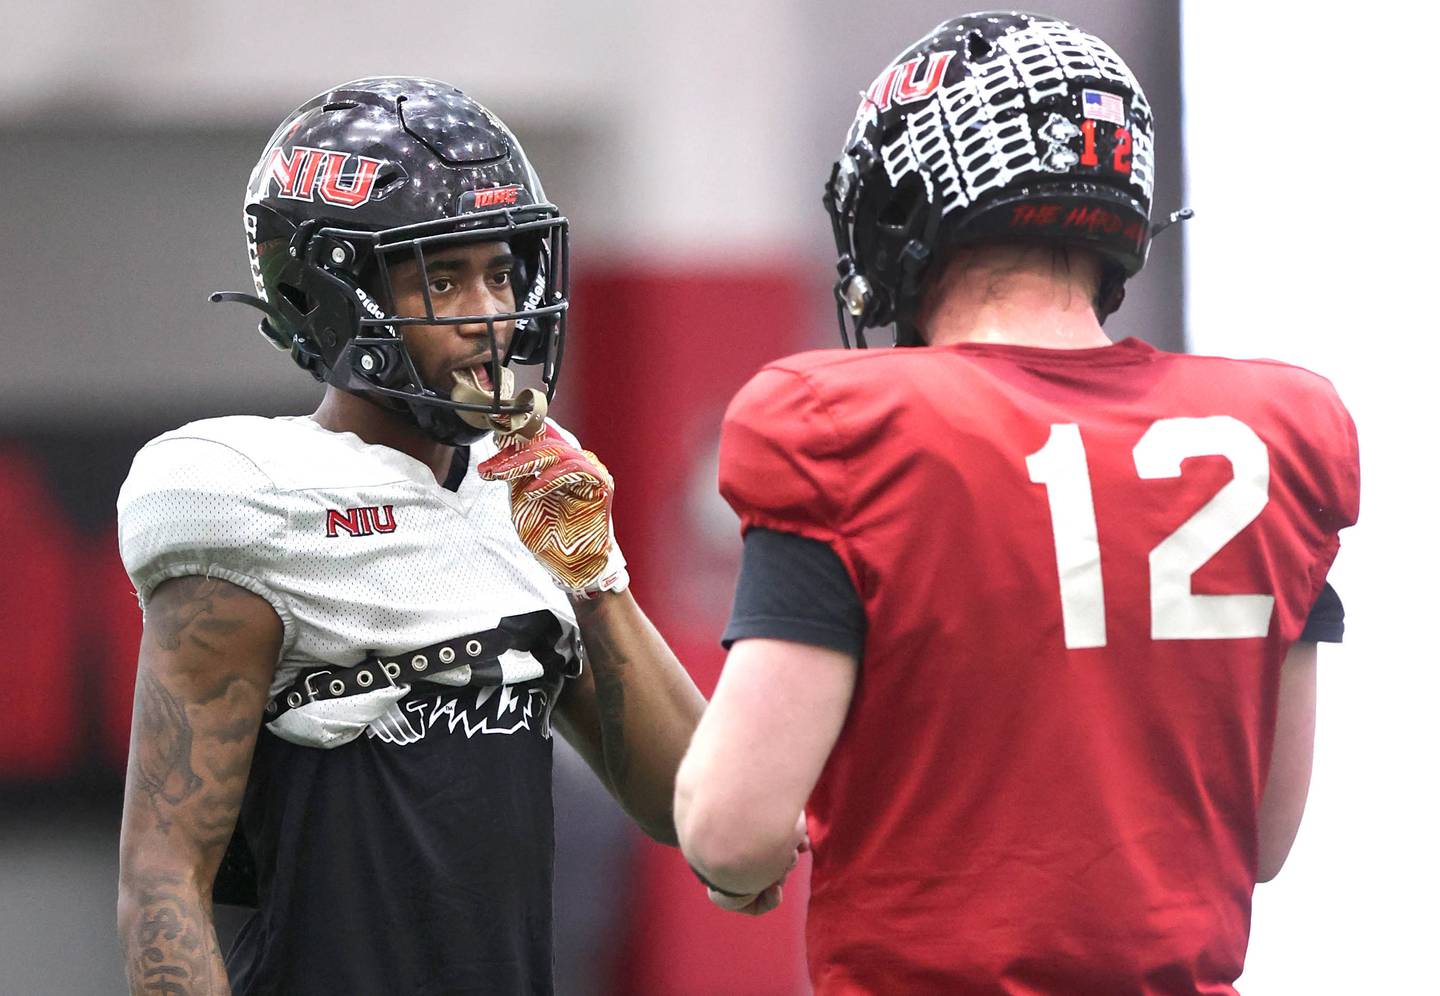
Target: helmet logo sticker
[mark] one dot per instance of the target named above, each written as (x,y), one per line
(1058,132)
(1103,106)
(304,172)
(899,82)
(488,197)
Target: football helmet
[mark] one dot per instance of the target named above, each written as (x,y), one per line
(997,125)
(382,170)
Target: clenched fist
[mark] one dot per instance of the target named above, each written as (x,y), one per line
(560,503)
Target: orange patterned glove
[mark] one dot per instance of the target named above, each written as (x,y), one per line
(560,502)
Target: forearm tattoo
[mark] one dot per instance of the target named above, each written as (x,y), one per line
(160,762)
(609,663)
(173,949)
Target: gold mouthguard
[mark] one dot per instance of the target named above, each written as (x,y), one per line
(526,424)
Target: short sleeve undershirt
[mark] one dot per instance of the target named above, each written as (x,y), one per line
(795,588)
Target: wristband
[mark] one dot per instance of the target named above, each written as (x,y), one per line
(716,889)
(614,578)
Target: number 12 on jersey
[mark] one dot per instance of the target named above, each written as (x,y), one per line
(1175,613)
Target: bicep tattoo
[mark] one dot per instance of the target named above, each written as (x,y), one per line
(197,707)
(195,614)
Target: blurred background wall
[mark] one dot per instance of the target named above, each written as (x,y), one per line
(687,144)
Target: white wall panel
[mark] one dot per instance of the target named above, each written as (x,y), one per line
(237,61)
(1308,164)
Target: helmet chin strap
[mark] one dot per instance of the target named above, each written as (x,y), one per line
(915,261)
(441,425)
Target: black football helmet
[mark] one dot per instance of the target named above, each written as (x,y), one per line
(387,169)
(998,125)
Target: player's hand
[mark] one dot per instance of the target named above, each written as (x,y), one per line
(767,899)
(757,904)
(560,502)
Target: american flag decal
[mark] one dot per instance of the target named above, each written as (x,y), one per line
(1103,106)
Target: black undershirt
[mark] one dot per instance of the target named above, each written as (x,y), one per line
(1326,622)
(795,588)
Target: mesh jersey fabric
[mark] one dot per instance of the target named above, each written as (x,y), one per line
(408,854)
(249,499)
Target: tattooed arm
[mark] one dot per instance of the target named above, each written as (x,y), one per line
(632,713)
(207,655)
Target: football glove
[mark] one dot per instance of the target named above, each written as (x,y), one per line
(560,503)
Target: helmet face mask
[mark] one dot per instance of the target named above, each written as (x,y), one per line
(389,170)
(999,126)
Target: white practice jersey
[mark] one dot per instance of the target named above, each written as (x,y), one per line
(358,549)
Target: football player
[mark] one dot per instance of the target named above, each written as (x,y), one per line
(1027,618)
(349,646)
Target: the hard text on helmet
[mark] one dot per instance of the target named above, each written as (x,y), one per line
(1090,219)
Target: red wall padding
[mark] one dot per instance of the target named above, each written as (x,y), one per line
(41,714)
(668,349)
(117,620)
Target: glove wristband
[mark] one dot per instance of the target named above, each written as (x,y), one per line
(614,577)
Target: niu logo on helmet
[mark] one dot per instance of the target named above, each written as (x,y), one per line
(304,172)
(904,85)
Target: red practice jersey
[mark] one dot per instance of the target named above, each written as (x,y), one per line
(1081,570)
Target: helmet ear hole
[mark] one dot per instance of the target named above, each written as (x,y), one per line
(898,214)
(388,177)
(296,298)
(977,46)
